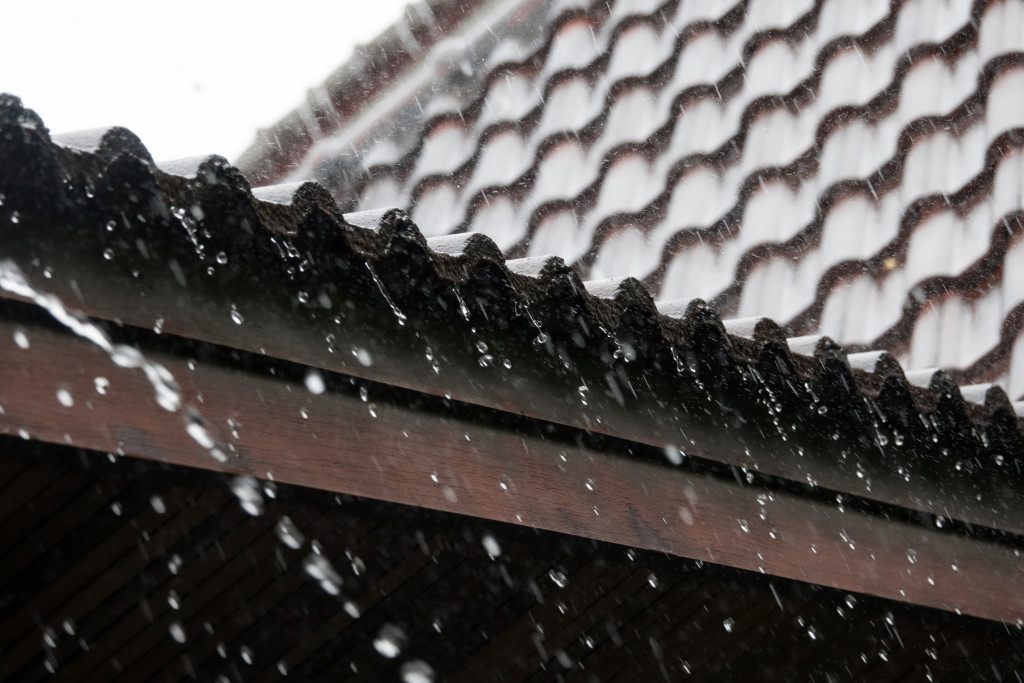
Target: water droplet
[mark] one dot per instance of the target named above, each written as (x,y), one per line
(246,654)
(247,490)
(674,455)
(21,339)
(221,258)
(15,217)
(399,316)
(289,533)
(158,504)
(282,668)
(116,508)
(363,356)
(911,556)
(69,626)
(492,546)
(177,631)
(320,569)
(174,564)
(389,641)
(236,317)
(315,382)
(589,483)
(812,633)
(729,624)
(417,671)
(173,601)
(108,254)
(65,398)
(110,226)
(652,580)
(101,384)
(558,578)
(351,609)
(744,526)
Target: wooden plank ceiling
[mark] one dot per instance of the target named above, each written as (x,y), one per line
(96,548)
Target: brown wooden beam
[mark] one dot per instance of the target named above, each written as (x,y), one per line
(388,451)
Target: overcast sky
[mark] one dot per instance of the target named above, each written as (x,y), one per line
(189,77)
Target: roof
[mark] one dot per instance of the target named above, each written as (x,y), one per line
(808,176)
(183,313)
(188,249)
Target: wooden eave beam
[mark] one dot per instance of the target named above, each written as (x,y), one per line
(390,451)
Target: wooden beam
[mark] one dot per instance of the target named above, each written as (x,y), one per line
(389,451)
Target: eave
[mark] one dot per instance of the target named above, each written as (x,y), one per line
(377,296)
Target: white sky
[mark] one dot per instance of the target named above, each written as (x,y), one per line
(189,77)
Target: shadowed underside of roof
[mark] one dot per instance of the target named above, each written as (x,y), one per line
(842,167)
(107,559)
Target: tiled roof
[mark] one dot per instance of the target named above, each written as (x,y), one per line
(843,167)
(189,248)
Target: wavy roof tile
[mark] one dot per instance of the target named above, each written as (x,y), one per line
(845,168)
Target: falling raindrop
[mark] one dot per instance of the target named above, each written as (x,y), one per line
(247,490)
(389,641)
(158,504)
(246,654)
(65,398)
(674,455)
(21,339)
(174,564)
(363,356)
(236,317)
(729,624)
(417,671)
(558,578)
(289,533)
(173,601)
(491,546)
(315,382)
(101,384)
(177,631)
(320,569)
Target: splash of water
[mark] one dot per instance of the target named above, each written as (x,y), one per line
(168,395)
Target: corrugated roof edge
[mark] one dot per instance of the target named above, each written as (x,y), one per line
(372,68)
(533,339)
